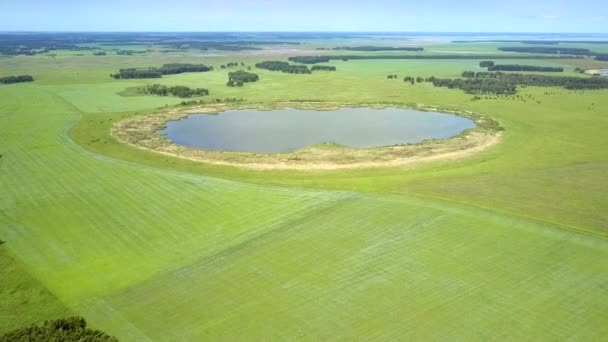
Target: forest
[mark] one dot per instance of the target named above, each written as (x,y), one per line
(602,57)
(16,79)
(166,69)
(178,91)
(239,78)
(502,83)
(518,67)
(283,67)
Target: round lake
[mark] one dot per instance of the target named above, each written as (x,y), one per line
(286,130)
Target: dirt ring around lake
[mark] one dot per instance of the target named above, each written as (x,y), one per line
(142,132)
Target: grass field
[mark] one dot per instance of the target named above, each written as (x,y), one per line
(508,244)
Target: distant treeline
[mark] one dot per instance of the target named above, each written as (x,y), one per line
(518,67)
(539,42)
(486,64)
(238,78)
(323,68)
(501,83)
(602,57)
(379,48)
(129,52)
(327,58)
(283,67)
(179,91)
(549,50)
(16,79)
(309,59)
(225,45)
(166,69)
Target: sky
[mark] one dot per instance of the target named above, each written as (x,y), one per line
(589,16)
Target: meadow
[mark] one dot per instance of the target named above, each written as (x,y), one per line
(508,244)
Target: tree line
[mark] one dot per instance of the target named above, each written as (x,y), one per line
(283,67)
(544,49)
(504,83)
(323,68)
(179,91)
(379,48)
(239,78)
(166,69)
(519,67)
(16,79)
(601,57)
(327,58)
(73,329)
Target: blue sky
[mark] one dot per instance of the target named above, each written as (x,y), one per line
(306,15)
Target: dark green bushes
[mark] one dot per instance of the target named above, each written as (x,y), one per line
(504,83)
(16,79)
(283,67)
(239,78)
(64,330)
(323,68)
(179,91)
(166,69)
(486,64)
(309,59)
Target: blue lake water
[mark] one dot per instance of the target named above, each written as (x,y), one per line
(284,130)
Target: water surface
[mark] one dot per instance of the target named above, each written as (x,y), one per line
(284,130)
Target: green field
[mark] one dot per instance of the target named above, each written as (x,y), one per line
(509,244)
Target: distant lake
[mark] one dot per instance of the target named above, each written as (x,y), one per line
(284,130)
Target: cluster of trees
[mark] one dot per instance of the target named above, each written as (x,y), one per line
(518,67)
(239,78)
(309,59)
(412,80)
(543,49)
(179,91)
(390,77)
(504,83)
(323,68)
(16,79)
(166,69)
(477,85)
(65,330)
(486,64)
(99,53)
(231,64)
(283,67)
(601,57)
(379,48)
